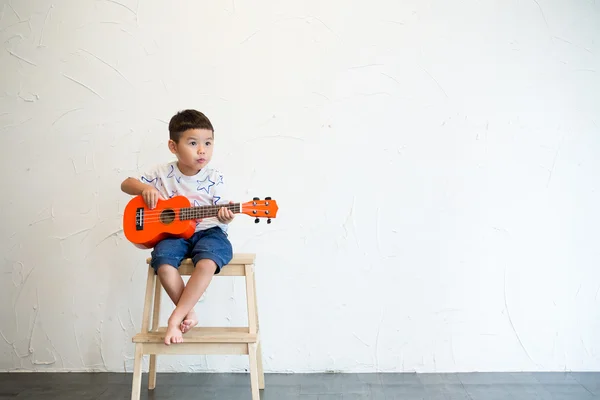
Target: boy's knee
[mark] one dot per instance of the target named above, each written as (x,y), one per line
(207,265)
(165,269)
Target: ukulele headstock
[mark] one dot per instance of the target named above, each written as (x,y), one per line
(257,208)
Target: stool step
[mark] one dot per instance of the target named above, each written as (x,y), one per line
(202,335)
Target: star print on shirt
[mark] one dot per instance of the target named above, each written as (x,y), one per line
(173,193)
(171,174)
(216,200)
(153,182)
(220,180)
(204,185)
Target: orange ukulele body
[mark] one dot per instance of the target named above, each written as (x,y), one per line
(144,227)
(176,218)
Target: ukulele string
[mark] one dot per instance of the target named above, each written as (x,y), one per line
(162,223)
(156,216)
(187,219)
(187,210)
(192,209)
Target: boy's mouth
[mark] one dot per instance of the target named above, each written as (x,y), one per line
(201,160)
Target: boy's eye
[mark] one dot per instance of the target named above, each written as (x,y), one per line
(193,143)
(208,143)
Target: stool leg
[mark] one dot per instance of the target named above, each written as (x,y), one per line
(148,300)
(137,360)
(259,360)
(251,299)
(137,373)
(254,379)
(155,320)
(259,363)
(152,372)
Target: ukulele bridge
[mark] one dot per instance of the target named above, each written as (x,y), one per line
(139,219)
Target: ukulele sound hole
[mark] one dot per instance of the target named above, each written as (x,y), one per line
(167,216)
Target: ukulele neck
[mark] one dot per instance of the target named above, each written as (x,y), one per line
(201,212)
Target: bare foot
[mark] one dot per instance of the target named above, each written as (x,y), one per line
(189,322)
(173,335)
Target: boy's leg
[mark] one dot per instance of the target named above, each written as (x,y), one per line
(166,258)
(211,251)
(171,281)
(174,285)
(183,317)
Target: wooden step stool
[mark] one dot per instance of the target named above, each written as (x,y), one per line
(207,340)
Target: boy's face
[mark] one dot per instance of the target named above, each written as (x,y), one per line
(194,150)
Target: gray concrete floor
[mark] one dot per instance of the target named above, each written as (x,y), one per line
(468,386)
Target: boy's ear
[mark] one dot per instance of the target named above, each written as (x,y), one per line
(172,146)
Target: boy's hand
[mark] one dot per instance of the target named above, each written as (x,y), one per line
(225,215)
(151,196)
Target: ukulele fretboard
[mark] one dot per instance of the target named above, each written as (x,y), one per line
(207,211)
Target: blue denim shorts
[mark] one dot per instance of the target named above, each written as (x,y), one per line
(211,244)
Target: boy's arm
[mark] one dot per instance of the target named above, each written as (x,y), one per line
(133,186)
(221,197)
(149,193)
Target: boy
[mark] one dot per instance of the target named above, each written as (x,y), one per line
(191,140)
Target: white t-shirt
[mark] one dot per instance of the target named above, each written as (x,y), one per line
(203,189)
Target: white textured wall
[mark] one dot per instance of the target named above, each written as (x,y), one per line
(436,165)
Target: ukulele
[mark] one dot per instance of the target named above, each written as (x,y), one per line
(176,218)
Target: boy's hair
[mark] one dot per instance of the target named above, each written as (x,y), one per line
(187,119)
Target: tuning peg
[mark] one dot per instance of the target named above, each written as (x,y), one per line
(269,221)
(256,198)
(267,198)
(256,221)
